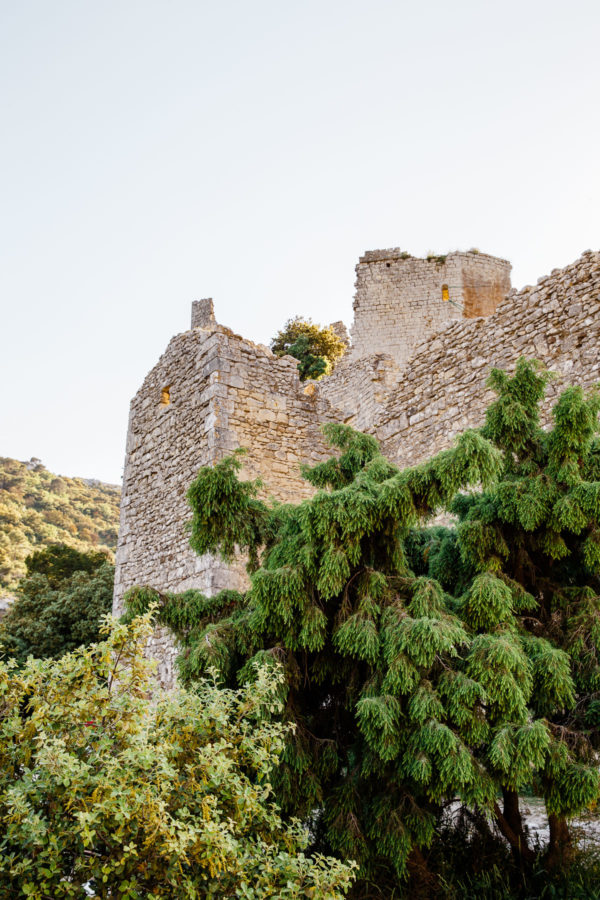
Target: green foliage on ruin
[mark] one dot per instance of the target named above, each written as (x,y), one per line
(422,665)
(108,784)
(318,349)
(38,508)
(58,606)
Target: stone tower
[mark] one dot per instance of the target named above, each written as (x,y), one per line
(400,300)
(210,393)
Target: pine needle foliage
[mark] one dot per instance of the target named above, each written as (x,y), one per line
(366,646)
(532,601)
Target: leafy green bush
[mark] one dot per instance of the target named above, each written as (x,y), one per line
(59,605)
(58,562)
(317,349)
(107,782)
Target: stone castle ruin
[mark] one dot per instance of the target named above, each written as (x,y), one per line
(425,334)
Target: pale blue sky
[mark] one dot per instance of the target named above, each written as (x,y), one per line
(153,153)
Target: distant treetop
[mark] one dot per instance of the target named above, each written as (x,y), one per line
(58,605)
(58,562)
(317,349)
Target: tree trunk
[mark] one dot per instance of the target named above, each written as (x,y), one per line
(560,846)
(423,883)
(512,814)
(510,823)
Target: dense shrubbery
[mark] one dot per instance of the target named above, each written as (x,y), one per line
(58,605)
(140,796)
(467,863)
(38,508)
(420,666)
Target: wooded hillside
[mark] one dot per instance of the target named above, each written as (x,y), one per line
(38,508)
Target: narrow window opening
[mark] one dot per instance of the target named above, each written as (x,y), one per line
(165,396)
(445,293)
(387,265)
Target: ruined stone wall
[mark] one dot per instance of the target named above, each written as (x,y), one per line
(443,390)
(269,412)
(399,298)
(211,392)
(357,390)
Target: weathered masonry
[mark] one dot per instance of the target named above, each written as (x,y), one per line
(557,322)
(425,334)
(400,300)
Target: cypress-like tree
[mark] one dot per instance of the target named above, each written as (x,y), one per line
(384,717)
(526,561)
(409,685)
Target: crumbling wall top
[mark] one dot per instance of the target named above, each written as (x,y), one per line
(341,331)
(397,253)
(203,313)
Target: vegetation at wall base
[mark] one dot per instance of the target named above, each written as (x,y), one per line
(58,605)
(38,508)
(317,349)
(107,782)
(420,668)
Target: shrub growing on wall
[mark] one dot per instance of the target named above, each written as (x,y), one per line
(317,349)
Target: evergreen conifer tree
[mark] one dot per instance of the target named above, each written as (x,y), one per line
(525,565)
(383,715)
(469,676)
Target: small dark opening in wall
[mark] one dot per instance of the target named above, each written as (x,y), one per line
(387,265)
(165,396)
